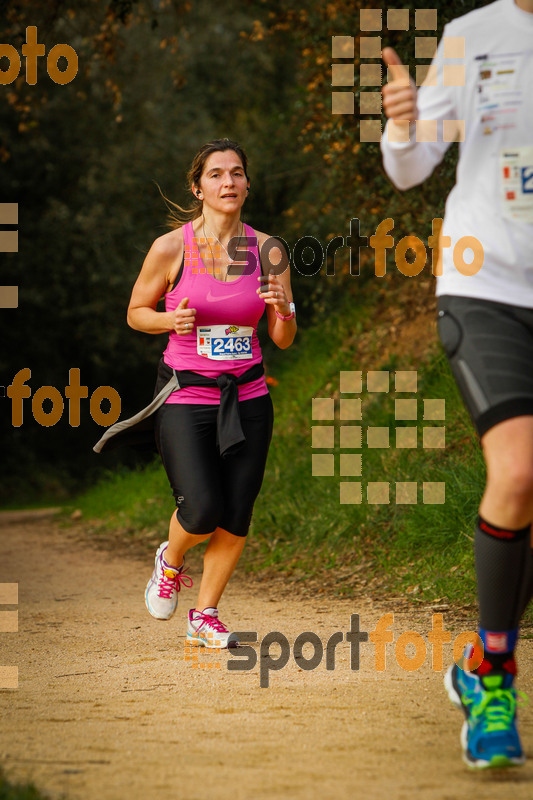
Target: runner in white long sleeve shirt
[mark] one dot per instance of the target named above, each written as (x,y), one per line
(485,319)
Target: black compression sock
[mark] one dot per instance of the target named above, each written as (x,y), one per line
(527,592)
(503,572)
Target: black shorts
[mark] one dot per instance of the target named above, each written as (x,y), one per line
(211,491)
(490,349)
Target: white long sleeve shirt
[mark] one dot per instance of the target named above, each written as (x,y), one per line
(492,199)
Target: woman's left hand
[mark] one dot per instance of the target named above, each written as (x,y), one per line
(273,293)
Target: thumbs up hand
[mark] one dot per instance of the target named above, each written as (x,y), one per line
(399,95)
(184,316)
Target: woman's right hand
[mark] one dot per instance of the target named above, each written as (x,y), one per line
(399,94)
(183,318)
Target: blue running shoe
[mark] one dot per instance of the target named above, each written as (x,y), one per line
(489,736)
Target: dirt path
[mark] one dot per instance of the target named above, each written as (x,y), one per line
(108,707)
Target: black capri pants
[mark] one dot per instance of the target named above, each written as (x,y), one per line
(211,491)
(490,349)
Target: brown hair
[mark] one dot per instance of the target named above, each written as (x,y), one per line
(178,215)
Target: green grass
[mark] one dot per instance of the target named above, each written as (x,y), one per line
(299,527)
(27,791)
(127,496)
(23,505)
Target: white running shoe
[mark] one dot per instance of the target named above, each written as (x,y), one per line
(161,596)
(207,630)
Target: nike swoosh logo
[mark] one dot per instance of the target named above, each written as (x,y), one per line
(211,299)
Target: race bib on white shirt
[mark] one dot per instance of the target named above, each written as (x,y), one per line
(516,177)
(224,342)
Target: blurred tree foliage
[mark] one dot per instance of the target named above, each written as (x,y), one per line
(346,178)
(156,79)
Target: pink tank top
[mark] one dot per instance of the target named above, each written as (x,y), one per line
(227,314)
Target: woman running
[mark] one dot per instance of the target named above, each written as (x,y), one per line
(214,432)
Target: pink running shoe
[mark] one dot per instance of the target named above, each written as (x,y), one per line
(161,596)
(207,630)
